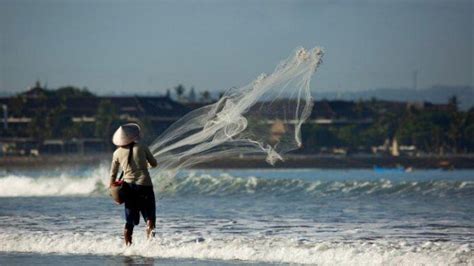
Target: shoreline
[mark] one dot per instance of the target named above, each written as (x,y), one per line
(291,161)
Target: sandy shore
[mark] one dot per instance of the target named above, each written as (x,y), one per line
(292,161)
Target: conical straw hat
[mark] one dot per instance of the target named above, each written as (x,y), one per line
(126,134)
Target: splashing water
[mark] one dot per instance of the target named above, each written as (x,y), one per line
(263,117)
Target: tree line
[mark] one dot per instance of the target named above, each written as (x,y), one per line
(434,131)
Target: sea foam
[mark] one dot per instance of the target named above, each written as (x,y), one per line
(95,182)
(53,184)
(279,250)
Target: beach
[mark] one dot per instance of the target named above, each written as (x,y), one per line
(240,216)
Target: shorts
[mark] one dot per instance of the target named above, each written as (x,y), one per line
(139,199)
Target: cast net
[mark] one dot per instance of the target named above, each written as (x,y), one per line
(261,118)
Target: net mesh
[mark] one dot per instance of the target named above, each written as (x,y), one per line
(263,117)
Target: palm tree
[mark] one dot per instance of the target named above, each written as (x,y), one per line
(206,96)
(179,91)
(105,117)
(192,95)
(453,102)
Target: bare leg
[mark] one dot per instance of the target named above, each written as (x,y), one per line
(127,233)
(150,229)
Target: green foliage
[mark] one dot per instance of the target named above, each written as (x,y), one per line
(453,103)
(430,130)
(348,136)
(180,89)
(79,130)
(316,136)
(106,119)
(49,122)
(71,91)
(374,135)
(468,136)
(59,120)
(422,133)
(146,130)
(206,96)
(39,127)
(16,106)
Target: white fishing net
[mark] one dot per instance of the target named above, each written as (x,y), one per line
(263,117)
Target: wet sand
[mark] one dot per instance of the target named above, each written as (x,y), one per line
(19,258)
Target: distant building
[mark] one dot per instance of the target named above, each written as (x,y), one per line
(158,113)
(35,92)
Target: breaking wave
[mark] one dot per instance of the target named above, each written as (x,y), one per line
(226,185)
(51,184)
(271,249)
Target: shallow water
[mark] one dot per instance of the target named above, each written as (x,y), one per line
(19,258)
(272,215)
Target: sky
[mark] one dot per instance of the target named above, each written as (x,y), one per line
(114,47)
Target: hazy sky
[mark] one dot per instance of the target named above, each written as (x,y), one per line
(136,46)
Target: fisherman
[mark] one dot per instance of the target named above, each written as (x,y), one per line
(134,159)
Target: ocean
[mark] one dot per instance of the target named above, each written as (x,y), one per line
(243,216)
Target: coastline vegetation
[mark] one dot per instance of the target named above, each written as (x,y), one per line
(438,130)
(428,128)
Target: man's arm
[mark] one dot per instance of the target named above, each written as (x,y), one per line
(149,157)
(114,168)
